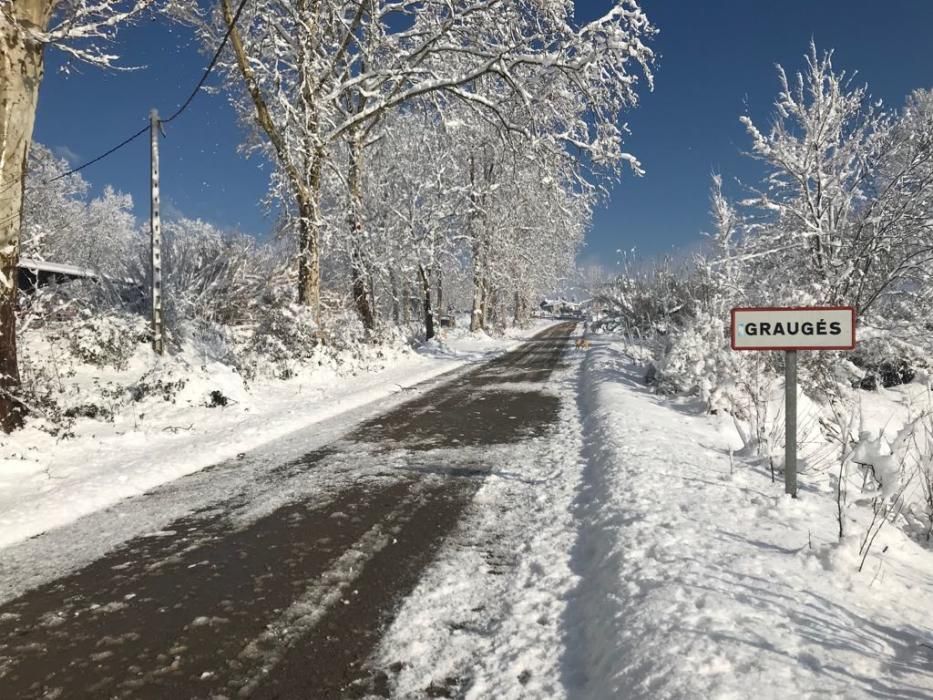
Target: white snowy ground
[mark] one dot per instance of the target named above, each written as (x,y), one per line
(47,482)
(648,564)
(701,579)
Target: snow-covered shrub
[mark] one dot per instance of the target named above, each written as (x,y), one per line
(161,382)
(214,342)
(649,300)
(284,336)
(888,472)
(214,276)
(696,359)
(888,361)
(79,317)
(41,394)
(105,340)
(920,514)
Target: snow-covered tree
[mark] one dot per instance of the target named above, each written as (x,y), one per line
(52,208)
(836,213)
(842,215)
(898,270)
(312,76)
(414,208)
(62,224)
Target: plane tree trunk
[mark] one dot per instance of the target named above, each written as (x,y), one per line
(21,68)
(361,292)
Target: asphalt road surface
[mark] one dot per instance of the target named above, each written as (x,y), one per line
(292,603)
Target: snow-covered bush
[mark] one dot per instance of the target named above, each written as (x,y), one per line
(160,382)
(920,514)
(888,361)
(697,360)
(105,340)
(886,472)
(285,336)
(213,276)
(650,300)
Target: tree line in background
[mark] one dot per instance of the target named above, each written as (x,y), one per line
(416,144)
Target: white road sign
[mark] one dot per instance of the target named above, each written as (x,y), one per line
(793,328)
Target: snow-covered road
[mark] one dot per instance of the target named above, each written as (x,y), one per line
(287,555)
(541,526)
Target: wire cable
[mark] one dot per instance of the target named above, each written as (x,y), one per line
(101,156)
(184,106)
(65,174)
(210,66)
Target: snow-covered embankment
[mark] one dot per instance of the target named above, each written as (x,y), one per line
(701,579)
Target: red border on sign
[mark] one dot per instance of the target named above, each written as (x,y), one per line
(792,308)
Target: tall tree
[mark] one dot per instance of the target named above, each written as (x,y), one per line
(840,210)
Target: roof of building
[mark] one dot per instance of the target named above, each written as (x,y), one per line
(45,266)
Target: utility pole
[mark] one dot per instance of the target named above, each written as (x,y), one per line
(155,230)
(790,422)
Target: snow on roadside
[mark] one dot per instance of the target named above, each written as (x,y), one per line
(47,481)
(699,578)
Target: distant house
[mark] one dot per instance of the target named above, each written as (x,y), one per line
(561,307)
(32,274)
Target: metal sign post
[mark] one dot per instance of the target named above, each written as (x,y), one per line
(790,423)
(791,329)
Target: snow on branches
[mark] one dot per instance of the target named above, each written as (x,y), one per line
(321,83)
(842,209)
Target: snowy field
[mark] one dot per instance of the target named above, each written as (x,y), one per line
(47,481)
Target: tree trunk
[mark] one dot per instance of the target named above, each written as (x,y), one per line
(361,294)
(406,303)
(21,66)
(428,311)
(490,308)
(522,307)
(309,258)
(478,316)
(308,195)
(439,295)
(305,179)
(396,292)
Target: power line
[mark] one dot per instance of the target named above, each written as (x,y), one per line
(102,155)
(211,65)
(65,174)
(130,139)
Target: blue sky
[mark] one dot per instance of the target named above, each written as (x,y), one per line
(716,61)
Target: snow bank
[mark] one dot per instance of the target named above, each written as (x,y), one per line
(699,578)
